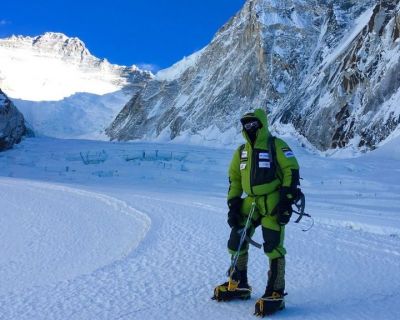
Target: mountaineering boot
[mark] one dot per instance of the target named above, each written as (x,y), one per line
(236,287)
(273,299)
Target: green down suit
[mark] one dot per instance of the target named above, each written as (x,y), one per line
(260,173)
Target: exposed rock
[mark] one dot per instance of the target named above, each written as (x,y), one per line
(352,96)
(12,126)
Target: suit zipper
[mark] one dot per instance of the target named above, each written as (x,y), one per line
(253,170)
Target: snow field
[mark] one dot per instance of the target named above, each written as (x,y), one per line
(345,267)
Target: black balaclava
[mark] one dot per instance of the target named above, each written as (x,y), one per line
(251,132)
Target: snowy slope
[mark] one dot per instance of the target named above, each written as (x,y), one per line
(143,231)
(176,70)
(82,115)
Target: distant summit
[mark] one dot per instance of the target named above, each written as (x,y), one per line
(51,44)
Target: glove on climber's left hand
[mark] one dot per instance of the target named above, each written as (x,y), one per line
(234,205)
(284,207)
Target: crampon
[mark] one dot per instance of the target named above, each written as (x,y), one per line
(232,290)
(269,304)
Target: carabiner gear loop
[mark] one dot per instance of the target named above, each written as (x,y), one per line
(300,204)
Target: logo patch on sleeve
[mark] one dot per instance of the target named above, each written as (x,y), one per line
(264,156)
(264,164)
(289,154)
(244,154)
(242,166)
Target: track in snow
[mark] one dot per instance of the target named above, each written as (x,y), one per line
(51,232)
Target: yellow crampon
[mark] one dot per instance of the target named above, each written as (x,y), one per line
(231,290)
(259,312)
(269,305)
(232,284)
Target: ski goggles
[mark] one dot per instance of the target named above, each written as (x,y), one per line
(252,125)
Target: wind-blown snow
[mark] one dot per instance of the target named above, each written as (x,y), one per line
(139,232)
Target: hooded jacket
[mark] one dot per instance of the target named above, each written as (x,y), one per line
(254,170)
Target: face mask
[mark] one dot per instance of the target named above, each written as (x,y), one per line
(251,132)
(251,126)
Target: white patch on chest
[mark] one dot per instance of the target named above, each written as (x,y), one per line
(264,164)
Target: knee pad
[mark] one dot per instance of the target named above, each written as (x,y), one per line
(234,240)
(272,239)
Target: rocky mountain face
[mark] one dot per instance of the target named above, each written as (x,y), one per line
(328,67)
(351,95)
(53,66)
(12,124)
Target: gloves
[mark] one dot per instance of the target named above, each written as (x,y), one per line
(284,206)
(234,204)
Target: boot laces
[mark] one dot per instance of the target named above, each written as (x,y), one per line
(274,296)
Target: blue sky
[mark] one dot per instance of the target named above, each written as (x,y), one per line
(157,32)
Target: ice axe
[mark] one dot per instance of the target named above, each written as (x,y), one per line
(233,284)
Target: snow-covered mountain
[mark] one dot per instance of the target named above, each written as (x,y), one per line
(53,66)
(62,90)
(329,68)
(12,124)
